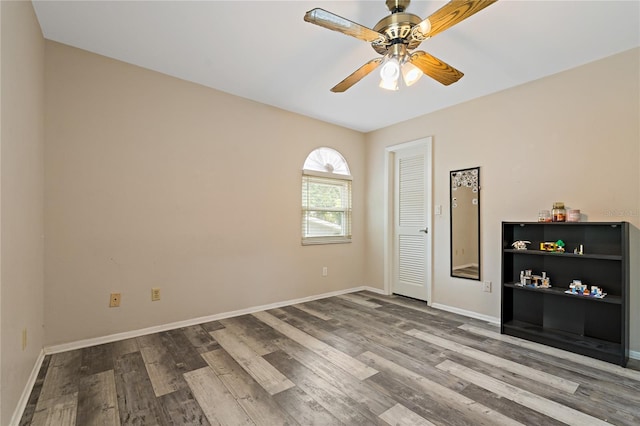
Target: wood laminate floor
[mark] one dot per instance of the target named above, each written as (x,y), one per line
(357,359)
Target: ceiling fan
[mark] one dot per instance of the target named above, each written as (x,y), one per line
(395,36)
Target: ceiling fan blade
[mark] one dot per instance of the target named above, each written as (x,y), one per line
(356,76)
(435,68)
(337,23)
(454,12)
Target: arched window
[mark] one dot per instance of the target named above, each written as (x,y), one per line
(326,198)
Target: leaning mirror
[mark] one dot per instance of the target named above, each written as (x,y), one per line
(465,223)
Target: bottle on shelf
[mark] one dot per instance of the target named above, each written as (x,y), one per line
(544,216)
(573,215)
(558,214)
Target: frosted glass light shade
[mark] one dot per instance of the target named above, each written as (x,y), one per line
(390,70)
(410,73)
(389,84)
(425,27)
(389,73)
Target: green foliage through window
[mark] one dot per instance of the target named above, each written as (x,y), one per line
(326,207)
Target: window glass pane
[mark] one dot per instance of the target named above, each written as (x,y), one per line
(326,195)
(324,223)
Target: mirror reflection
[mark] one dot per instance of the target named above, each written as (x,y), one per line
(465,223)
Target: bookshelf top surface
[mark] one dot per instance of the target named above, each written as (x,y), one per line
(567,223)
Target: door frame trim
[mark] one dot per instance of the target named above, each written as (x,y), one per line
(427,143)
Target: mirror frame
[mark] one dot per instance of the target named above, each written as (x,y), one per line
(452,182)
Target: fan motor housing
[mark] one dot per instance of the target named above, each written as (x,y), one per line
(397,28)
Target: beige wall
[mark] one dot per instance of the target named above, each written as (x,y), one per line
(21,200)
(152,181)
(572,137)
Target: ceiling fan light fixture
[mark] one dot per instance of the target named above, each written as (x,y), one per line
(395,37)
(410,73)
(390,70)
(390,73)
(389,85)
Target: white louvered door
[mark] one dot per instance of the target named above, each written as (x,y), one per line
(411,236)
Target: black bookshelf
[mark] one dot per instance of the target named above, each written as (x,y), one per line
(590,326)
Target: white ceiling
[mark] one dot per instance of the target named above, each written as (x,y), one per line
(264,51)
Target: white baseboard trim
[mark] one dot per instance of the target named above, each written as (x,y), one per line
(26,393)
(194,321)
(372,290)
(634,354)
(470,314)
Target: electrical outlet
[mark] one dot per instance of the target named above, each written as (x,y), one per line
(155,294)
(24,339)
(486,286)
(114,300)
(325,271)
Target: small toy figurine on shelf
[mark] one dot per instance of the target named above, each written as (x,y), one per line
(526,277)
(576,287)
(529,279)
(520,244)
(546,282)
(557,246)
